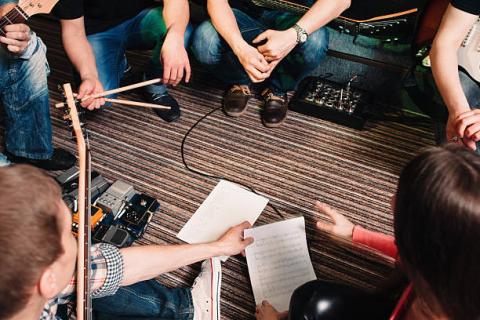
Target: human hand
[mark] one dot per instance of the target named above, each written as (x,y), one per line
(341,226)
(17,37)
(278,43)
(253,62)
(266,311)
(465,126)
(232,242)
(174,59)
(90,86)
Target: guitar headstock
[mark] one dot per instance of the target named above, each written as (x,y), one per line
(71,114)
(32,7)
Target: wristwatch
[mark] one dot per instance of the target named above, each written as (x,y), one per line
(302,34)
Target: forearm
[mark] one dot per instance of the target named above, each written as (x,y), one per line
(321,13)
(225,23)
(445,71)
(453,29)
(79,50)
(146,262)
(176,14)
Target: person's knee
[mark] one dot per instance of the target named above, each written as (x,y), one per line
(206,44)
(315,49)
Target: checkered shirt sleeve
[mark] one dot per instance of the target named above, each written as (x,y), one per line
(106,275)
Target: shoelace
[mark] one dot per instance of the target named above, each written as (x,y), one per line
(243,88)
(269,95)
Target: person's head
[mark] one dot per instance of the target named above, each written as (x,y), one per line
(437,229)
(37,249)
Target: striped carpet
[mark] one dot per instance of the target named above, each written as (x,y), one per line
(304,160)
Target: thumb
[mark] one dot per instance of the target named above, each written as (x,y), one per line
(84,89)
(261,37)
(248,241)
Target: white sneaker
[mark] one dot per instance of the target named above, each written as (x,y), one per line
(206,291)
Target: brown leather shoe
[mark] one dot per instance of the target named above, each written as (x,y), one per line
(236,99)
(275,109)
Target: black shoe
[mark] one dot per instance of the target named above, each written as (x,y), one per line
(165,100)
(236,99)
(275,108)
(60,160)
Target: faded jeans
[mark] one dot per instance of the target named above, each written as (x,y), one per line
(213,52)
(24,95)
(145,300)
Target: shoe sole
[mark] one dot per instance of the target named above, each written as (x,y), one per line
(216,279)
(274,125)
(235,114)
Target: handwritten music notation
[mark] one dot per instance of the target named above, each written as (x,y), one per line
(278,261)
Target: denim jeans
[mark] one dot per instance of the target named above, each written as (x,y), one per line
(145,31)
(145,300)
(214,53)
(24,95)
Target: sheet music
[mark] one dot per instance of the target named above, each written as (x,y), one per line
(278,261)
(226,206)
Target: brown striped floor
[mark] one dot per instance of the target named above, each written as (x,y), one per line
(304,160)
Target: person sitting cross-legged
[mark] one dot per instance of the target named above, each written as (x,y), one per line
(245,44)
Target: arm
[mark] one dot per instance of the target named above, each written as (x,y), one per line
(280,43)
(173,55)
(376,240)
(453,29)
(342,227)
(156,259)
(226,25)
(81,55)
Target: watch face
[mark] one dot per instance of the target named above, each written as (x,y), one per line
(303,37)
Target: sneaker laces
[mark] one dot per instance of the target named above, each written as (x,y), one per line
(241,87)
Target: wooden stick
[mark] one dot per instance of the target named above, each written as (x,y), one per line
(122,89)
(138,104)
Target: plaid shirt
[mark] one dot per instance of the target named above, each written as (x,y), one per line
(105,278)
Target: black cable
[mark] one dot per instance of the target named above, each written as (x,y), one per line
(182,152)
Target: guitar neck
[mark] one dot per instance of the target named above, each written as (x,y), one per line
(14,16)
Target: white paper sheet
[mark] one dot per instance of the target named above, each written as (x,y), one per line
(278,261)
(226,206)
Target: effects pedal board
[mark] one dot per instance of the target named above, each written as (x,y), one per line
(328,100)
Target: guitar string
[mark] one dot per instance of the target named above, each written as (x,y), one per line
(11,17)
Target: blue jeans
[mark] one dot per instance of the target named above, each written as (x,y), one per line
(145,300)
(472,92)
(24,95)
(214,53)
(145,31)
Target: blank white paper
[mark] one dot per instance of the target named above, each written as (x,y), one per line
(278,261)
(226,206)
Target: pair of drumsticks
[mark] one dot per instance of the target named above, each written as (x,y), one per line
(125,102)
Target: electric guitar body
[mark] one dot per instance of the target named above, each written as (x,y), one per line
(469,52)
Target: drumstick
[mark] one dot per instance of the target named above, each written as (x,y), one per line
(128,103)
(122,89)
(137,104)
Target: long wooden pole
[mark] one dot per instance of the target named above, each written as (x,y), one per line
(122,89)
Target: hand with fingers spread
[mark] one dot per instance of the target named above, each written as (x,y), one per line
(174,59)
(266,311)
(232,242)
(17,37)
(278,44)
(254,63)
(465,126)
(341,226)
(90,86)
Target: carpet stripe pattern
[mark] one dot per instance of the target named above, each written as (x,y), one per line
(304,160)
